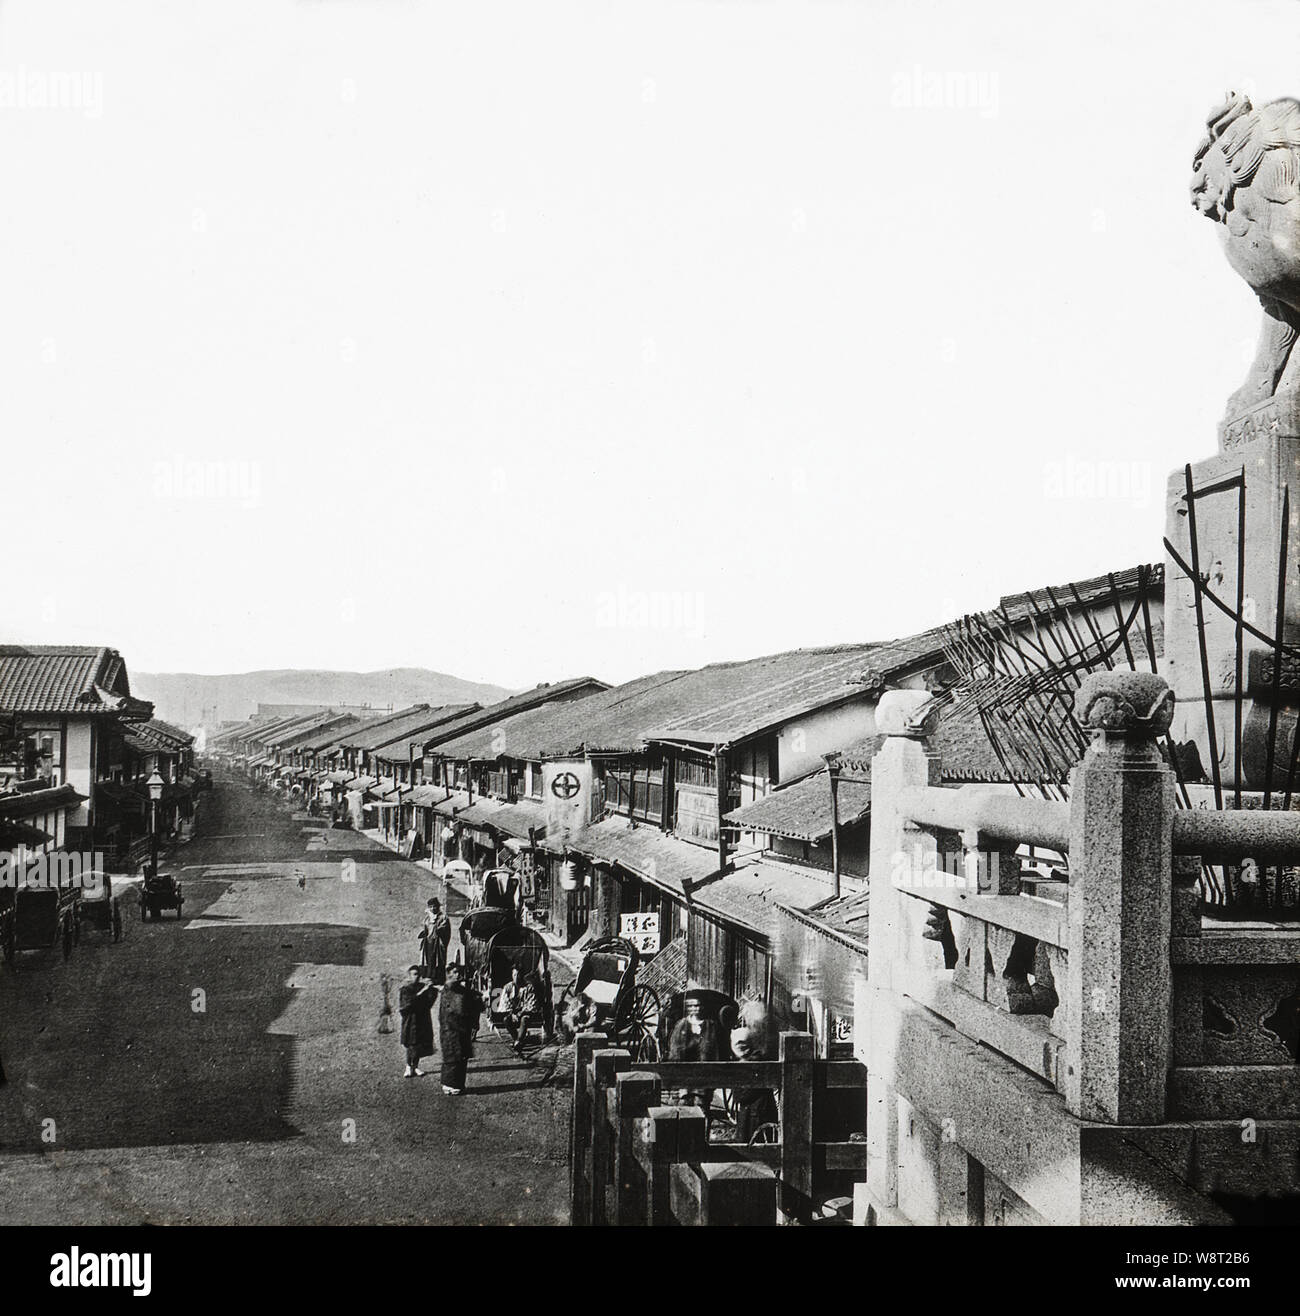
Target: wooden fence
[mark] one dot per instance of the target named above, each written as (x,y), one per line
(635,1161)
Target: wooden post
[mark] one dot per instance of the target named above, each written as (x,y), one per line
(587,1044)
(635,1094)
(1120,980)
(606,1065)
(833,771)
(655,1144)
(796,1125)
(721,771)
(737,1193)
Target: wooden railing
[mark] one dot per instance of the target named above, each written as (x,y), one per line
(635,1160)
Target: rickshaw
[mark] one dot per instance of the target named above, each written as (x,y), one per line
(497,888)
(514,947)
(477,929)
(613,1002)
(101,905)
(40,917)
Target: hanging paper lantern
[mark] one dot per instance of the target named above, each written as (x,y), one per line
(570,876)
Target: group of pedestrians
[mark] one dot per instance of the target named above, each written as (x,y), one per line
(434,981)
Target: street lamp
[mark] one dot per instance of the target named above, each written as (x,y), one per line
(155,784)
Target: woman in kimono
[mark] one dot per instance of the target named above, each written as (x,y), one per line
(458,1017)
(415,1004)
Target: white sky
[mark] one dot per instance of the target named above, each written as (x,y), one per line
(524,340)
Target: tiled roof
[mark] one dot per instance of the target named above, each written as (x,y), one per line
(802,810)
(660,859)
(1095,589)
(64,678)
(750,895)
(515,819)
(157,727)
(157,736)
(27,804)
(242,730)
(291,737)
(325,739)
(554,729)
(403,733)
(756,696)
(355,734)
(844,917)
(713,705)
(494,713)
(268,732)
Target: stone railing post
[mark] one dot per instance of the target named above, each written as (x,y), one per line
(1120,980)
(901,853)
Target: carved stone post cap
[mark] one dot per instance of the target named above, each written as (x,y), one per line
(910,713)
(1137,704)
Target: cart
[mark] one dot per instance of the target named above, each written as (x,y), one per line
(101,904)
(161,891)
(613,1002)
(39,918)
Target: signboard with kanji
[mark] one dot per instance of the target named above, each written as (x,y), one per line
(642,930)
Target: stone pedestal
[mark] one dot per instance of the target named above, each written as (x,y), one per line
(1268,459)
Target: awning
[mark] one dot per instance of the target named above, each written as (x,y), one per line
(663,861)
(451,807)
(514,820)
(750,896)
(27,804)
(425,797)
(360,783)
(13,833)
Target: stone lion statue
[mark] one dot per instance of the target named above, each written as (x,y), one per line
(1246,176)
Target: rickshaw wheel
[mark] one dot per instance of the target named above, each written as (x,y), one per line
(642,1022)
(765,1135)
(729,1104)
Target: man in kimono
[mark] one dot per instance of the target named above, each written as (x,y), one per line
(458,1017)
(435,937)
(415,1004)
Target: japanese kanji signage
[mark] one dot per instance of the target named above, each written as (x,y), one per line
(642,930)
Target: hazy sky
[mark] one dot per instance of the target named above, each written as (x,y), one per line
(527,340)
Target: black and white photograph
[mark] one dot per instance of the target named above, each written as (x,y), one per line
(632,614)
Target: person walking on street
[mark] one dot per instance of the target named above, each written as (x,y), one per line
(415,1004)
(458,1016)
(435,937)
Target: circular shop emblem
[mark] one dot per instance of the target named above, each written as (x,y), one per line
(565,786)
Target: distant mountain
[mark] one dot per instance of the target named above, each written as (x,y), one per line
(189,699)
